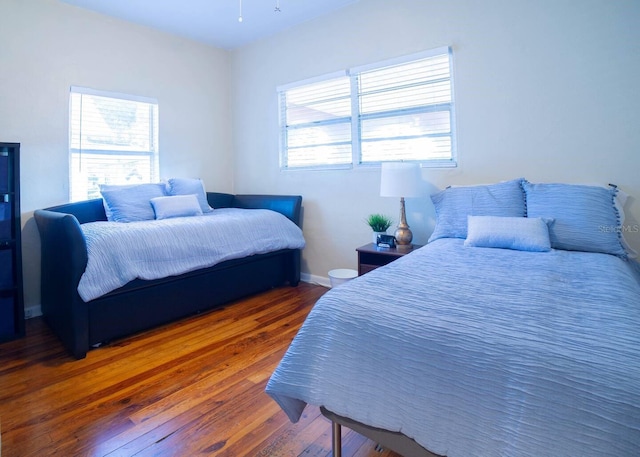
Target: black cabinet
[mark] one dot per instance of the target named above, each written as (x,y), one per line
(11,300)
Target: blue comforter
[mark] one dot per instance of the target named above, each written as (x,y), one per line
(479,352)
(121,252)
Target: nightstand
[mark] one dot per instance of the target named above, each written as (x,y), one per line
(371,256)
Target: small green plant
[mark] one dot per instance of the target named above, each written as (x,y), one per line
(379,222)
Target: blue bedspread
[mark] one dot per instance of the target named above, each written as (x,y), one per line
(479,352)
(121,252)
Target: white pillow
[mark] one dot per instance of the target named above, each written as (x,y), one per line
(176,206)
(519,233)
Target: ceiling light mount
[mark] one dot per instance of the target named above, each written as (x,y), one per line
(275,10)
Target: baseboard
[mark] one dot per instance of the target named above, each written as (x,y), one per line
(313,279)
(32,311)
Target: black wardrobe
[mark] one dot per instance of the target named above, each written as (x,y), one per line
(11,299)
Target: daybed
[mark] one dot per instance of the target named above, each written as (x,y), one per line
(513,332)
(142,304)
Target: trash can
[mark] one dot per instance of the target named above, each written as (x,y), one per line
(341,275)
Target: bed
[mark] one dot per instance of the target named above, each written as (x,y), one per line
(129,305)
(491,339)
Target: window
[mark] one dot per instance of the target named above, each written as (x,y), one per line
(113,139)
(317,120)
(390,111)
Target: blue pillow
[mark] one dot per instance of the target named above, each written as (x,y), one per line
(131,203)
(519,233)
(586,217)
(176,206)
(454,204)
(110,187)
(189,186)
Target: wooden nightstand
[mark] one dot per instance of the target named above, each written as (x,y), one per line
(371,256)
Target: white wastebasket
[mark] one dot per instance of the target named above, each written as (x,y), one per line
(341,275)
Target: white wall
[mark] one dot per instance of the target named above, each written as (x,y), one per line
(47,46)
(545,89)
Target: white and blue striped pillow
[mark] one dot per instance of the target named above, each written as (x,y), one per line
(585,217)
(454,204)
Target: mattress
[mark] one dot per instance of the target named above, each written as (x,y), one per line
(121,252)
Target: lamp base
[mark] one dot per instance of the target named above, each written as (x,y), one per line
(403,234)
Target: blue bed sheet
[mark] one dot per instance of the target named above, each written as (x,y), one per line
(121,252)
(479,351)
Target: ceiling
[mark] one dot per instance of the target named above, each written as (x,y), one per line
(215,22)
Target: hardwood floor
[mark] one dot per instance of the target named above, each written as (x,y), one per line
(195,387)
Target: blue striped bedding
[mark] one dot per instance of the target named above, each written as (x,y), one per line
(121,252)
(479,352)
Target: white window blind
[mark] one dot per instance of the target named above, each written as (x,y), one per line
(113,139)
(391,111)
(405,111)
(315,122)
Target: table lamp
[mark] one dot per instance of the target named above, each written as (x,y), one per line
(401,179)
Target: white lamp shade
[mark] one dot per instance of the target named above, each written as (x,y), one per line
(400,179)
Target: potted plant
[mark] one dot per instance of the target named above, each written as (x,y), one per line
(379,223)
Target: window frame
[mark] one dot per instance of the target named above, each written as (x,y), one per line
(357,117)
(153,153)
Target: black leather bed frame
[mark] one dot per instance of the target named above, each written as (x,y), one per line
(140,305)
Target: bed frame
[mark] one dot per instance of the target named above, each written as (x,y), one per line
(394,441)
(140,305)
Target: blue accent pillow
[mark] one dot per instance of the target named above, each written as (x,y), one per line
(189,186)
(519,233)
(454,204)
(176,206)
(131,203)
(586,217)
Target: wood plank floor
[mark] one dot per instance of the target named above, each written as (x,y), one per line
(195,387)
